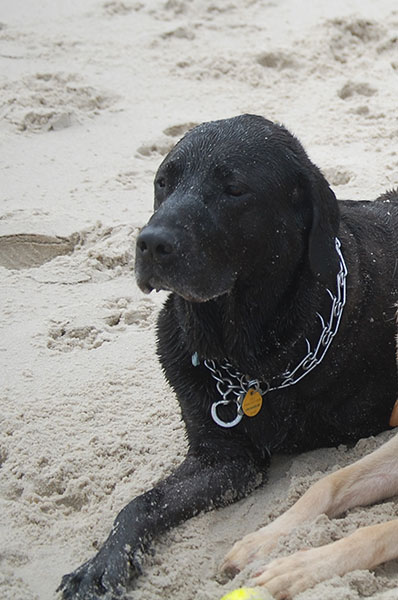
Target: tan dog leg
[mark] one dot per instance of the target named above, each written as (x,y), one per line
(373,478)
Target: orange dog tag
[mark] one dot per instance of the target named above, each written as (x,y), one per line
(394,416)
(252,403)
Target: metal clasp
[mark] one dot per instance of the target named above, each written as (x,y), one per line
(227,424)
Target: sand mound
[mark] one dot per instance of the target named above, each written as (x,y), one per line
(51,101)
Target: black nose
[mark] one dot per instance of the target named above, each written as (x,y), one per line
(155,243)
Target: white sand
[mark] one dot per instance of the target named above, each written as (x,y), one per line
(92,95)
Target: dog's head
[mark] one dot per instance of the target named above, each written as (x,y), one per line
(235,200)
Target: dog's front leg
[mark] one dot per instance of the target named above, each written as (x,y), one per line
(201,482)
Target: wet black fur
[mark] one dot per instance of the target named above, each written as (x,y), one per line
(243,236)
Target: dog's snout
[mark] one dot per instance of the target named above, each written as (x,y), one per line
(155,243)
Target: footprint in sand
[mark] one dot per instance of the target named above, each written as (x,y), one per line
(179,130)
(337,176)
(25,250)
(353,37)
(51,101)
(181,33)
(127,179)
(115,7)
(277,60)
(64,337)
(164,144)
(161,147)
(126,311)
(352,88)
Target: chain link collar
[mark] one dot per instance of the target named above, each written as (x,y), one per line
(233,385)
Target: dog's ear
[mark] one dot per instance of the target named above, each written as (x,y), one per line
(324,260)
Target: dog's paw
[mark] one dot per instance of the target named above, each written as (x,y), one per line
(253,546)
(288,576)
(106,575)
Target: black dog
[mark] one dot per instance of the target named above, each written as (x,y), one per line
(278,334)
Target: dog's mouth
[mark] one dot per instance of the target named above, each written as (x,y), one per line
(184,290)
(153,285)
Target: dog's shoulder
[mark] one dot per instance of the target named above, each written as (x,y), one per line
(383,211)
(370,228)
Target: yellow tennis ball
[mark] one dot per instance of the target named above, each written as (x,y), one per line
(247,594)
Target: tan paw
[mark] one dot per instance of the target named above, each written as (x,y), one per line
(253,546)
(286,577)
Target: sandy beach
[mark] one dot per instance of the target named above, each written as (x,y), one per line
(93,94)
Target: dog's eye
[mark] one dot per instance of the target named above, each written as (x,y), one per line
(235,190)
(161,182)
